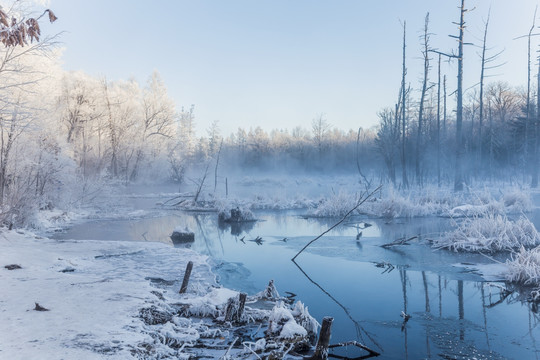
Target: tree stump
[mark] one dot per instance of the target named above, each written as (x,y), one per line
(321,351)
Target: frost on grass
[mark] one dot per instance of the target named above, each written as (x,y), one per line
(491,233)
(392,203)
(336,205)
(524,267)
(234,212)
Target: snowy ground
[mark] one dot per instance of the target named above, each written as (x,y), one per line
(93,291)
(118,300)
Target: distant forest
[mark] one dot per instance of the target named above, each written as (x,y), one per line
(63,135)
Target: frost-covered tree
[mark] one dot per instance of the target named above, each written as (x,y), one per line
(320,128)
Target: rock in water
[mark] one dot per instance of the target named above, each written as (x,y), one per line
(182,237)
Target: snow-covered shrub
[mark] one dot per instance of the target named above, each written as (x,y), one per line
(493,232)
(336,205)
(395,205)
(524,267)
(517,201)
(303,318)
(469,210)
(228,213)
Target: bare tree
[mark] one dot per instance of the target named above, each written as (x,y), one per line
(439,122)
(15,35)
(527,117)
(534,163)
(458,179)
(485,61)
(404,180)
(387,137)
(320,128)
(425,56)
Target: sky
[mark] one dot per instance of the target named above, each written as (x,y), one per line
(279,64)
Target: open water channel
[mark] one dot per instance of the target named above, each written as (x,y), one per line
(456,312)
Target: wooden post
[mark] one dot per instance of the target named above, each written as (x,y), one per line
(321,351)
(189,267)
(235,308)
(241,304)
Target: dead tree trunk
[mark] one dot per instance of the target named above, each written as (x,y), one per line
(458,178)
(534,180)
(481,104)
(425,55)
(439,123)
(404,179)
(528,114)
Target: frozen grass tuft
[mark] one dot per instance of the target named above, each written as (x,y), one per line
(234,211)
(491,233)
(336,205)
(517,201)
(524,267)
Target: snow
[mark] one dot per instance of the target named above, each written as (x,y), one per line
(291,330)
(490,233)
(92,309)
(524,267)
(211,303)
(119,300)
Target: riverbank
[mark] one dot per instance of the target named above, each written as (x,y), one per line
(106,299)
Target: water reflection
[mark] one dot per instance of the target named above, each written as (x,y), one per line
(455,313)
(236,228)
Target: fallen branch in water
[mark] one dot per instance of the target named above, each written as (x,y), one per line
(401,241)
(372,353)
(360,202)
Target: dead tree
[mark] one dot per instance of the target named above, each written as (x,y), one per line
(534,180)
(485,61)
(439,122)
(527,118)
(458,178)
(458,174)
(534,171)
(481,105)
(425,55)
(404,179)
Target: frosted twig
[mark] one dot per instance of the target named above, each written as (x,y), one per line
(229,349)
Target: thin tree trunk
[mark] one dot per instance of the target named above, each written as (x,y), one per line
(458,179)
(481,105)
(534,180)
(439,123)
(405,181)
(527,118)
(425,53)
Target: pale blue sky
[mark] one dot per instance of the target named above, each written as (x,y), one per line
(280,63)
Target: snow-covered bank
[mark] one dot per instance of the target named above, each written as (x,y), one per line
(93,289)
(334,196)
(118,300)
(490,234)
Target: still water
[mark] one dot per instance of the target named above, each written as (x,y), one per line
(456,313)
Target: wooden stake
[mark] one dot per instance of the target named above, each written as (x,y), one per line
(321,351)
(235,308)
(189,267)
